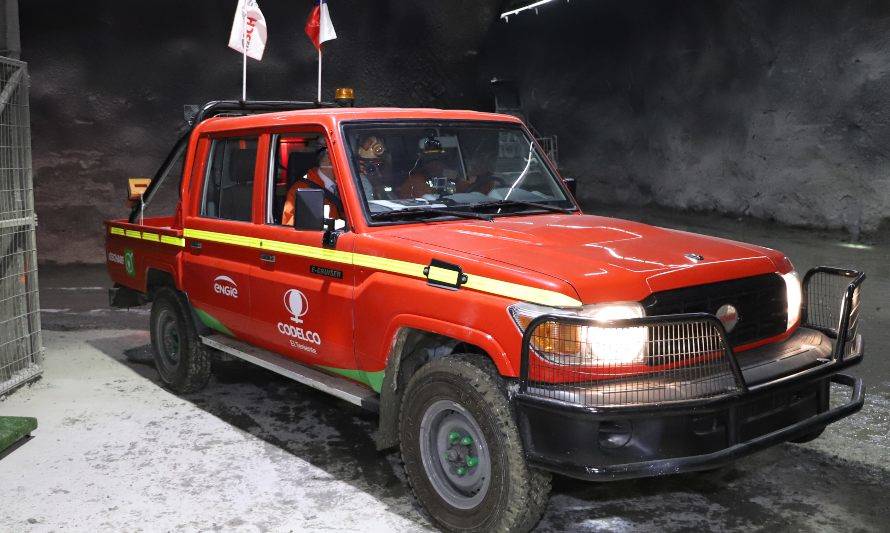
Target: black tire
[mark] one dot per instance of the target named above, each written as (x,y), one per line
(182,361)
(515,496)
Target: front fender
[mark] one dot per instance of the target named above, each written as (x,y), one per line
(455,331)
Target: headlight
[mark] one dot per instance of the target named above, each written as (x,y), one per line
(569,344)
(795,297)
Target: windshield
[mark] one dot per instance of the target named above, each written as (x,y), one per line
(457,169)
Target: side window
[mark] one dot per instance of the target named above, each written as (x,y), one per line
(299,160)
(228,186)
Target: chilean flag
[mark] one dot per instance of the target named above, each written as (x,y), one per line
(319,27)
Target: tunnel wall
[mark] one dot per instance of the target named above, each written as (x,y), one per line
(777,110)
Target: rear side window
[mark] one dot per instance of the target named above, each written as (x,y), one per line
(228,187)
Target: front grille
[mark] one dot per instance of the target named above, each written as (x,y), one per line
(569,360)
(761,302)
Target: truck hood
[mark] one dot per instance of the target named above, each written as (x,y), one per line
(604,259)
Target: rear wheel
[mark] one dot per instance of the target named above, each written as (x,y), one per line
(462,452)
(182,361)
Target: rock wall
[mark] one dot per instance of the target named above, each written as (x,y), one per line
(774,109)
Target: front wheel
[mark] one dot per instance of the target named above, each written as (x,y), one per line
(462,452)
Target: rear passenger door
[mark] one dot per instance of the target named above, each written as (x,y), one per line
(217,263)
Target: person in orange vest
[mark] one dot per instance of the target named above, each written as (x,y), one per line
(323,177)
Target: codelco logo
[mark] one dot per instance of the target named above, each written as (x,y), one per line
(297,305)
(226,286)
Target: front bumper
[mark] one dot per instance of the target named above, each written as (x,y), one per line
(784,396)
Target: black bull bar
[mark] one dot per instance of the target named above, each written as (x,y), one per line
(691,379)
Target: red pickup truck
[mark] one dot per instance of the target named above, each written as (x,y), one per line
(434,267)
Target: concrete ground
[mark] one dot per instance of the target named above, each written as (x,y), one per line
(115,451)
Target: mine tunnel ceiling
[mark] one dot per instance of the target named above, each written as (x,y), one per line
(515,7)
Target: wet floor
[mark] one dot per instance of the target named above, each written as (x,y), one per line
(256,452)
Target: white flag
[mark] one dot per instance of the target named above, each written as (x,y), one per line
(325,26)
(249,30)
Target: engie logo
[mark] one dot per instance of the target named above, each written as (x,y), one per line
(115,258)
(226,286)
(296,304)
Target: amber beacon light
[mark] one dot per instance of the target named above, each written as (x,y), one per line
(345,96)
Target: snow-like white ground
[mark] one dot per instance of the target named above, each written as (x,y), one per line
(116,452)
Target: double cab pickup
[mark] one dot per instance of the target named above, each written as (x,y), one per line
(432,266)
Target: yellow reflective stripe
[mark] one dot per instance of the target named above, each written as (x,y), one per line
(389,265)
(224,238)
(146,236)
(442,275)
(313,252)
(175,241)
(520,292)
(395,266)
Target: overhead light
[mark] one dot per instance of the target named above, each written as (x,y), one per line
(855,246)
(530,5)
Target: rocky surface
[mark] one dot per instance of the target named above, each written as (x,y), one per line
(771,109)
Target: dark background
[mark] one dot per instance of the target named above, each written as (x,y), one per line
(771,109)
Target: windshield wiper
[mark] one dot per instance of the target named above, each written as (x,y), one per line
(519,203)
(426,212)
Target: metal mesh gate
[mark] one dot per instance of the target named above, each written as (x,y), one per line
(20,343)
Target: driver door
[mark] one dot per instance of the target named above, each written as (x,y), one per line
(302,293)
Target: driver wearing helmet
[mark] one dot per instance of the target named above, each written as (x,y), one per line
(371,163)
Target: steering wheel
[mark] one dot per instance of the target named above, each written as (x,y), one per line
(490,181)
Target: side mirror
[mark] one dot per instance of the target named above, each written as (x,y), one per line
(309,210)
(572,184)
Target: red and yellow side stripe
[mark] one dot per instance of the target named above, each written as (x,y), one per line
(474,282)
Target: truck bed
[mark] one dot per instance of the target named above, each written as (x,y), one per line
(131,250)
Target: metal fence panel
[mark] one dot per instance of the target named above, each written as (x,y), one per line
(20,342)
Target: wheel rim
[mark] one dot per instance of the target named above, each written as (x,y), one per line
(169,341)
(455,454)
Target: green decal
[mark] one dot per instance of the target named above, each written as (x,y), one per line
(371,379)
(212,323)
(130,262)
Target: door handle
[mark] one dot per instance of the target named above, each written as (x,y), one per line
(197,245)
(268,258)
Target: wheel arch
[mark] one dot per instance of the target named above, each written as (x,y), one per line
(413,341)
(157,277)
